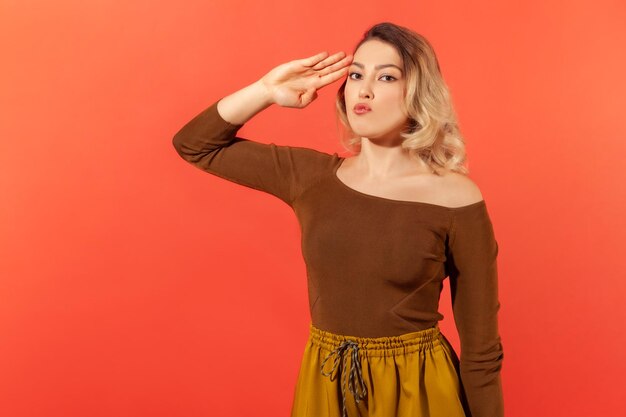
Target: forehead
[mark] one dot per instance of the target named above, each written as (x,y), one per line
(375,52)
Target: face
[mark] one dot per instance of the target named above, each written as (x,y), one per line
(381,89)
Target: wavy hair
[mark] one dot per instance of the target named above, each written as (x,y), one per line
(432,133)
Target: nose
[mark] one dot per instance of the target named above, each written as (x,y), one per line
(365,91)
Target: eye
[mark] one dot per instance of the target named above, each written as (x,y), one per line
(356,73)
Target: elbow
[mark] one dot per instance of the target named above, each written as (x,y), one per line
(487,360)
(187,147)
(177,142)
(181,148)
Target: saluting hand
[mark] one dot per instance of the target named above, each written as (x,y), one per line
(295,83)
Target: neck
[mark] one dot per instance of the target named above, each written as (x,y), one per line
(378,162)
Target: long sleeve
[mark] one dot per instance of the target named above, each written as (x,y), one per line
(210,143)
(471,264)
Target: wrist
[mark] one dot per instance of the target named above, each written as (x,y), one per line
(263,92)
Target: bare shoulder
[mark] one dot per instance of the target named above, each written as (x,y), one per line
(461,189)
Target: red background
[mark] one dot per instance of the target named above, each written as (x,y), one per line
(133,284)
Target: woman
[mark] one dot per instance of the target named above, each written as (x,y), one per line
(381,230)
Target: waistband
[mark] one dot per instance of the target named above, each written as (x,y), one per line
(379,346)
(343,347)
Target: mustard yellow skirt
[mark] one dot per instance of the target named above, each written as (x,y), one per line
(410,375)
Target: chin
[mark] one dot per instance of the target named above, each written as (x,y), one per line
(366,131)
(360,130)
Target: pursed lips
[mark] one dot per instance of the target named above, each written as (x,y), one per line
(361,108)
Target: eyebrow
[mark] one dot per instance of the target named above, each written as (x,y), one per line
(358,64)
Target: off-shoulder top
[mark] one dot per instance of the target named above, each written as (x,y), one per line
(375,266)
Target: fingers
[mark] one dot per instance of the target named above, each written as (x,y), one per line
(332,77)
(336,66)
(334,72)
(330,60)
(322,60)
(328,68)
(313,60)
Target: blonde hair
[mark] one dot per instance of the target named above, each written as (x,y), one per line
(432,133)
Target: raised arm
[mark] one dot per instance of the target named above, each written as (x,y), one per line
(471,265)
(209,140)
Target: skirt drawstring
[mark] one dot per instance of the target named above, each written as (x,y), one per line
(353,376)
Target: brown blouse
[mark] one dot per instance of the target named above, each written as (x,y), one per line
(375,265)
